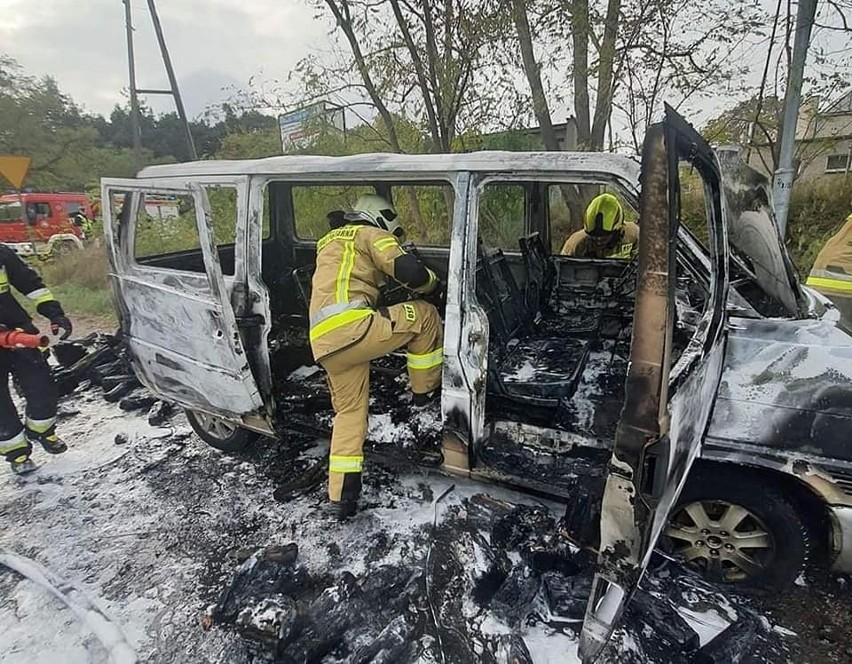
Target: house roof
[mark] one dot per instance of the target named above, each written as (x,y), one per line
(843,105)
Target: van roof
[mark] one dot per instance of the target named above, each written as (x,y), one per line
(626,168)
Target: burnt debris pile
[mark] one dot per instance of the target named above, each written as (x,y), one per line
(305,405)
(101,361)
(474,589)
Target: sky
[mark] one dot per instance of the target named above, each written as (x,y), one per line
(216,46)
(213,44)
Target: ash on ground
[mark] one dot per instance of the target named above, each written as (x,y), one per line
(187,557)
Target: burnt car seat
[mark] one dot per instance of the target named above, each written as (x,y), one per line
(540,274)
(525,366)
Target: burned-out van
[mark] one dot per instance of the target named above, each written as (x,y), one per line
(697,392)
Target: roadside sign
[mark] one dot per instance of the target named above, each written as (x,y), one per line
(300,126)
(15,168)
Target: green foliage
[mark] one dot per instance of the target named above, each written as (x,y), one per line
(71,150)
(431,223)
(80,281)
(87,267)
(167,225)
(501,215)
(312,204)
(693,206)
(250,145)
(731,127)
(817,211)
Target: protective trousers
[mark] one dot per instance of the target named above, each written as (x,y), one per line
(32,375)
(415,324)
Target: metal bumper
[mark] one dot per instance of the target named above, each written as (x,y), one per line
(841,521)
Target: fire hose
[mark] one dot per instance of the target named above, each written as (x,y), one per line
(19,339)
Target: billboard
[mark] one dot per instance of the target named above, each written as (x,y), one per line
(298,127)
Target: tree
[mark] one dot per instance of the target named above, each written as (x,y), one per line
(37,120)
(755,122)
(430,63)
(72,150)
(627,56)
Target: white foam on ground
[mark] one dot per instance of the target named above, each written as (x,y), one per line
(92,616)
(549,646)
(707,624)
(96,518)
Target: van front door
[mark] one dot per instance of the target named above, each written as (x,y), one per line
(671,384)
(176,314)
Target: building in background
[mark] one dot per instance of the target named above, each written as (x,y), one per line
(823,141)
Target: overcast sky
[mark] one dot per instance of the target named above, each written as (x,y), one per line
(213,44)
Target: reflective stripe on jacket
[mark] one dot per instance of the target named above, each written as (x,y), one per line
(352,262)
(15,273)
(832,270)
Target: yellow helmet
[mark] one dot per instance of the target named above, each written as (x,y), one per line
(604,215)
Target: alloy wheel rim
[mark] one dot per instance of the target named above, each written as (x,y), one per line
(214,426)
(725,541)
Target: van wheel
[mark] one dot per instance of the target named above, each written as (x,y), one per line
(219,433)
(735,528)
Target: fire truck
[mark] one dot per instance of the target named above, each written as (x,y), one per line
(37,223)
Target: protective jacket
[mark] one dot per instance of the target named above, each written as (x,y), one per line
(28,365)
(14,273)
(832,271)
(624,245)
(352,264)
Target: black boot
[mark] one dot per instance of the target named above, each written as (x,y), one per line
(23,467)
(341,510)
(421,401)
(51,443)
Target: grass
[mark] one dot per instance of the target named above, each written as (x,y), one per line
(80,281)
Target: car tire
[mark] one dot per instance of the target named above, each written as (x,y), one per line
(737,527)
(220,434)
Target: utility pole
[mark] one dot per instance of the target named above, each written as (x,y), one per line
(134,99)
(784,174)
(167,61)
(135,91)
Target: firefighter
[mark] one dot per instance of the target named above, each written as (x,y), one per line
(80,220)
(831,274)
(347,331)
(605,234)
(28,366)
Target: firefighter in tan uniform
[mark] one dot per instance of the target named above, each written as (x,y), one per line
(347,330)
(831,274)
(605,234)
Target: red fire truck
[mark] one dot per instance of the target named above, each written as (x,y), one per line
(35,223)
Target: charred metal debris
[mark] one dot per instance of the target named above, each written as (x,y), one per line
(473,589)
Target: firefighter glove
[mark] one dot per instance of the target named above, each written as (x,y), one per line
(60,322)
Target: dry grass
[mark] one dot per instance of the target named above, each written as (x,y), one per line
(88,268)
(80,282)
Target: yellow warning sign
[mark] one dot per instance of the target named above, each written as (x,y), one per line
(14,168)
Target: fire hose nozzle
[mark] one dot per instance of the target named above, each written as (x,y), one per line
(18,339)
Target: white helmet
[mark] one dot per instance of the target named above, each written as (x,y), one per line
(376,210)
